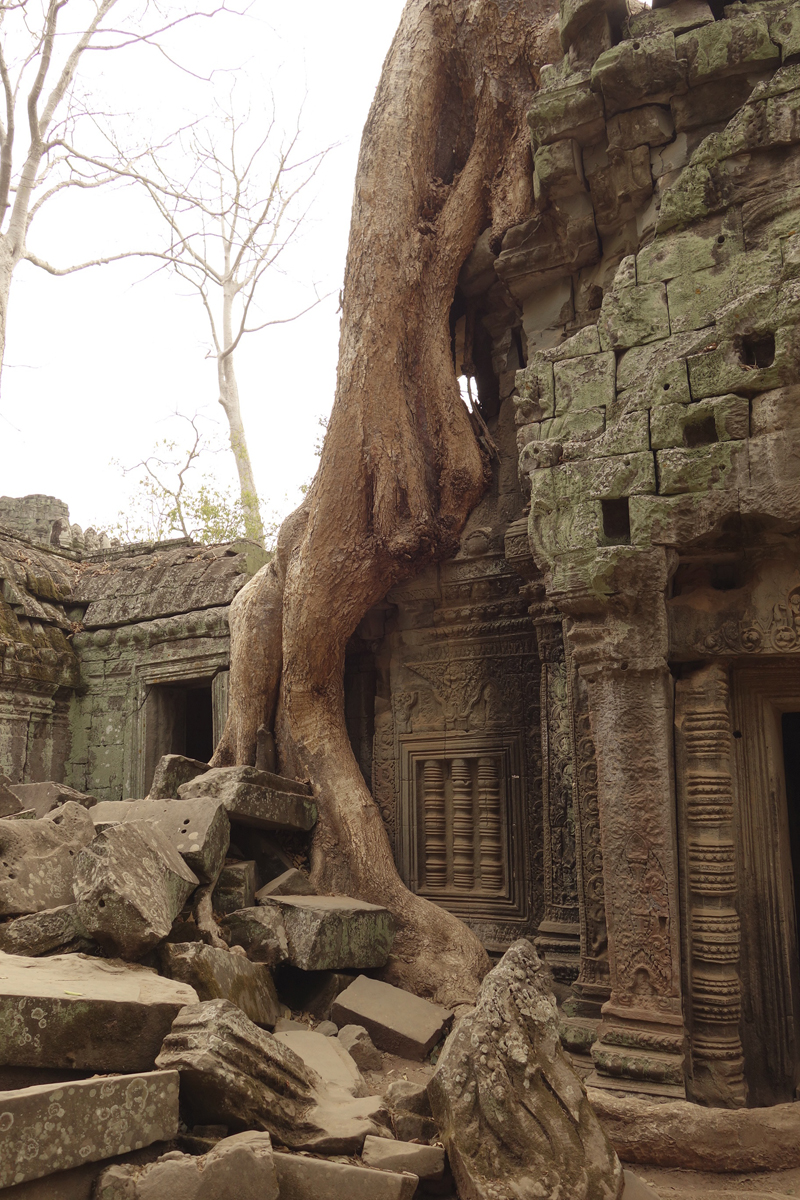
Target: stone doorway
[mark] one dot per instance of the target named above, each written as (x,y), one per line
(179,720)
(790,730)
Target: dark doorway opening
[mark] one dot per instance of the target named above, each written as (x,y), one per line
(179,720)
(790,728)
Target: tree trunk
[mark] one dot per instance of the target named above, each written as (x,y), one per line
(445,154)
(229,399)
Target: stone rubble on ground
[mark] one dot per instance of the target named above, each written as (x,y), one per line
(46,932)
(37,859)
(256,798)
(360,1046)
(44,797)
(290,883)
(241,1166)
(236,887)
(219,975)
(333,932)
(199,830)
(395,1020)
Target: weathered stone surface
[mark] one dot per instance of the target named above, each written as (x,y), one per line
(236,887)
(727,48)
(172,771)
(395,1020)
(328,1028)
(651,125)
(404,1095)
(639,72)
(220,975)
(584,383)
(256,798)
(334,932)
(240,1166)
(260,931)
(10,804)
(130,885)
(360,1047)
(80,1013)
(198,829)
(313,991)
(636,1189)
(513,1115)
(290,883)
(44,797)
(328,1057)
(558,169)
(427,1162)
(312,1179)
(677,18)
(679,1134)
(37,859)
(634,316)
(233,1073)
(566,112)
(46,931)
(48,1129)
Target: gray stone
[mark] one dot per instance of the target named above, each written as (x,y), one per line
(313,991)
(10,804)
(360,1047)
(233,1073)
(44,797)
(506,1051)
(334,932)
(636,1189)
(410,1127)
(220,975)
(198,829)
(327,1028)
(427,1162)
(260,931)
(130,885)
(328,1057)
(639,72)
(236,887)
(287,1025)
(634,316)
(301,1178)
(256,798)
(37,859)
(290,883)
(404,1095)
(240,1166)
(52,1128)
(172,771)
(84,1014)
(395,1020)
(43,932)
(648,126)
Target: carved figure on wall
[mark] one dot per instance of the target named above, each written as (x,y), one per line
(642,939)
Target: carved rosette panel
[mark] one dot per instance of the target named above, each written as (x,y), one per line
(705,788)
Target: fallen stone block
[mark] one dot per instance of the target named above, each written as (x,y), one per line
(256,798)
(290,883)
(172,771)
(260,931)
(236,887)
(77,1013)
(328,1028)
(130,885)
(78,1183)
(219,975)
(395,1020)
(240,1166)
(44,797)
(425,1161)
(360,1047)
(37,859)
(404,1095)
(44,932)
(10,804)
(302,1178)
(334,932)
(235,1074)
(199,829)
(48,1129)
(410,1127)
(502,1063)
(328,1057)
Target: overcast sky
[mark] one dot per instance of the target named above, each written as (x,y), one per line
(96,362)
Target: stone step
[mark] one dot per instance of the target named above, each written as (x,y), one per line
(198,829)
(301,1178)
(256,798)
(397,1021)
(333,933)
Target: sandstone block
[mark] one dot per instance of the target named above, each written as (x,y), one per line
(584,383)
(558,169)
(334,932)
(10,804)
(723,419)
(677,18)
(260,931)
(395,1020)
(727,48)
(710,103)
(46,931)
(634,316)
(288,1025)
(575,15)
(219,975)
(198,829)
(313,991)
(784,30)
(700,469)
(44,797)
(328,1028)
(290,883)
(360,1047)
(427,1162)
(403,1095)
(236,887)
(651,125)
(708,244)
(635,73)
(52,1128)
(37,859)
(328,1057)
(130,885)
(566,112)
(240,1166)
(256,798)
(312,1178)
(171,772)
(84,1014)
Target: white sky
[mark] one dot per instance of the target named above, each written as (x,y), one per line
(96,362)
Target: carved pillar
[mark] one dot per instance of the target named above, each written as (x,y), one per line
(712,937)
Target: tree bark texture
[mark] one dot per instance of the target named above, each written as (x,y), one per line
(445,154)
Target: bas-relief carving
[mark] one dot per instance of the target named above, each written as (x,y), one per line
(591,889)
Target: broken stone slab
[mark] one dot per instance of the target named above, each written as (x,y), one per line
(236,887)
(290,883)
(130,885)
(235,1074)
(44,932)
(334,932)
(256,798)
(328,1057)
(172,771)
(71,1012)
(220,975)
(327,1028)
(198,829)
(52,1128)
(404,1095)
(502,1063)
(240,1166)
(427,1162)
(44,797)
(360,1047)
(10,804)
(37,859)
(397,1021)
(677,1133)
(260,931)
(301,1178)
